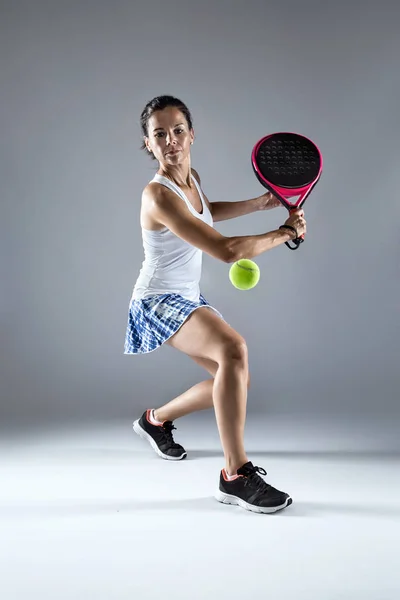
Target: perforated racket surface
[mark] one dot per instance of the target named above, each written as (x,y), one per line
(288,165)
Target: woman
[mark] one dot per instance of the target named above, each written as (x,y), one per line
(167,307)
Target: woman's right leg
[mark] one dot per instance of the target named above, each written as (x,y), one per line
(207,336)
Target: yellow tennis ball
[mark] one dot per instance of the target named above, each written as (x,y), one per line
(244,274)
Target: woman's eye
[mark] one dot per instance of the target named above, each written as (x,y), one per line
(162,133)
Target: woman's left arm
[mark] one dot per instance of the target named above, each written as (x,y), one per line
(222,211)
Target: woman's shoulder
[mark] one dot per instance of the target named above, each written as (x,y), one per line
(155,192)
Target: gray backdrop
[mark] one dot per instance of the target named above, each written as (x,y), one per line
(322,326)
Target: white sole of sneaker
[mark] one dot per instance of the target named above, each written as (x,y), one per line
(144,435)
(228,499)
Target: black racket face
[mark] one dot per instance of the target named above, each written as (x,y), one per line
(288,160)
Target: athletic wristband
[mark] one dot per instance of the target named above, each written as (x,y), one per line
(289,227)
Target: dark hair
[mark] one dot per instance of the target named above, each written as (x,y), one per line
(159,103)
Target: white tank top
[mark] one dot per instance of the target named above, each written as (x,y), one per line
(171,265)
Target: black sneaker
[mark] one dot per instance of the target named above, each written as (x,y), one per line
(160,437)
(250,491)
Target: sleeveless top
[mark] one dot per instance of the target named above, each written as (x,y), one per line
(171,265)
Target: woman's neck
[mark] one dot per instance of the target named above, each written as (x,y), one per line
(179,174)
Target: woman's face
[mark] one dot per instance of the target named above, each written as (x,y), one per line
(169,136)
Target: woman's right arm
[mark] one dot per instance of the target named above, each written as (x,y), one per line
(168,209)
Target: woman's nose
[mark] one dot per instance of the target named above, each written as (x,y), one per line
(171,139)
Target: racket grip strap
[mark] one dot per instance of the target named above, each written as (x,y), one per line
(296,241)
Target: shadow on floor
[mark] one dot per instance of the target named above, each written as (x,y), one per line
(205,504)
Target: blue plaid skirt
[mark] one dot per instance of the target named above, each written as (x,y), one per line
(152,321)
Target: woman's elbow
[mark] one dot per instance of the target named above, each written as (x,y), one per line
(228,253)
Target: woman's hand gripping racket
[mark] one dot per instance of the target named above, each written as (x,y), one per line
(287,165)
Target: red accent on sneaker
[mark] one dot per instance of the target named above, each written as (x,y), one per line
(150,419)
(228,478)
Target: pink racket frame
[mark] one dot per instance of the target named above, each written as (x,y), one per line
(283,193)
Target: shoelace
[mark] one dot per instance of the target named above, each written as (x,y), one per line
(167,430)
(254,480)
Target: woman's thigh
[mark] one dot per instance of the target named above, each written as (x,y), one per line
(205,335)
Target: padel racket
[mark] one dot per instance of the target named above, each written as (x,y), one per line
(288,165)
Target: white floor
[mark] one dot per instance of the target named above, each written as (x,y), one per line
(95,514)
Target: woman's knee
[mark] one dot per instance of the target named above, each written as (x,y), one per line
(235,353)
(234,348)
